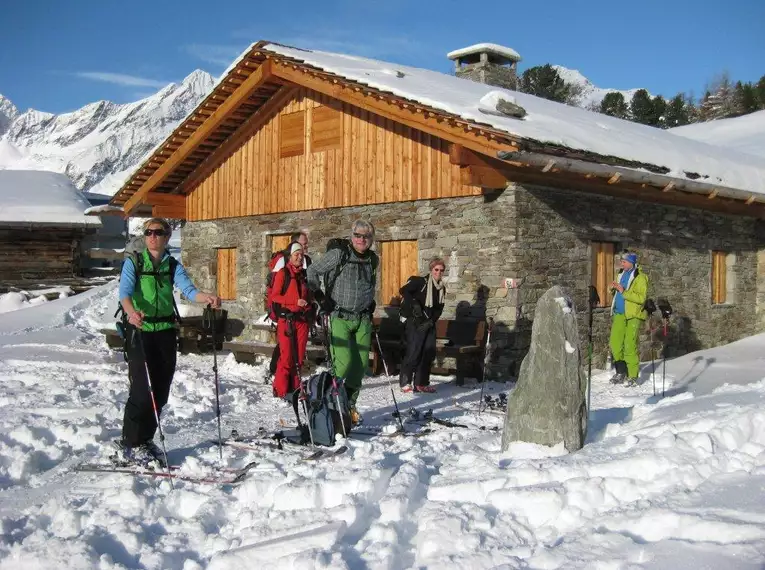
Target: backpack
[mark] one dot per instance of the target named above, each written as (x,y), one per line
(135,257)
(329,411)
(345,247)
(275,257)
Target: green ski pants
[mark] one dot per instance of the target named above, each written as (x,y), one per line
(624,342)
(350,342)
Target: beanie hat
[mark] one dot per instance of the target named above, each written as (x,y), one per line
(631,257)
(295,246)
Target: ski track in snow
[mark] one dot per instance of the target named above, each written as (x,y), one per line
(663,483)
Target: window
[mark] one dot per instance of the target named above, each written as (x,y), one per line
(326,129)
(292,134)
(723,277)
(398,262)
(603,270)
(226,274)
(279,243)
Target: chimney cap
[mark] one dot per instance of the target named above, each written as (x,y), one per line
(492,49)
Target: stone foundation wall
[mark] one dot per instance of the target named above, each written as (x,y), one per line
(555,229)
(536,237)
(475,236)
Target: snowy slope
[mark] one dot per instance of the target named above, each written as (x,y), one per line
(99,145)
(8,112)
(662,484)
(591,95)
(42,197)
(744,134)
(547,121)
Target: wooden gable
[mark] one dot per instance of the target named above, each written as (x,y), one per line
(346,156)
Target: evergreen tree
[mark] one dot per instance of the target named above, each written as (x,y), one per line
(614,105)
(677,113)
(760,91)
(745,98)
(641,107)
(694,115)
(544,81)
(659,109)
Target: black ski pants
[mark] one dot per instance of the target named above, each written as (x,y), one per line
(139,424)
(420,353)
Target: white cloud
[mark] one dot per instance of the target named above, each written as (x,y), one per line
(121,79)
(216,54)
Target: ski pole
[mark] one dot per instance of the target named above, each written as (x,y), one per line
(153,402)
(486,356)
(335,388)
(390,384)
(296,360)
(592,302)
(208,319)
(664,359)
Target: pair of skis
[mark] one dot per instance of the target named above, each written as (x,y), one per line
(279,442)
(219,476)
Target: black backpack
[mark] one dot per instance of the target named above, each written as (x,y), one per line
(345,247)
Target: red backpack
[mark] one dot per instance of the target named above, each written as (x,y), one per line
(275,257)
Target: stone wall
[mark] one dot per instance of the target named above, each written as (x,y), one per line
(555,229)
(489,73)
(473,234)
(538,237)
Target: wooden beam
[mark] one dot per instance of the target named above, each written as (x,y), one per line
(159,199)
(615,178)
(372,103)
(483,176)
(668,187)
(749,200)
(169,212)
(255,80)
(244,132)
(548,166)
(634,191)
(713,194)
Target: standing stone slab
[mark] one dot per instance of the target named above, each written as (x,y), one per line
(548,404)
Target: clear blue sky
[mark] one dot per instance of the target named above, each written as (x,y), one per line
(58,55)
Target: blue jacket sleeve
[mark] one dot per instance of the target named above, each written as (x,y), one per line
(127,279)
(184,284)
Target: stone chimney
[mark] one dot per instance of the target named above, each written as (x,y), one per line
(487,63)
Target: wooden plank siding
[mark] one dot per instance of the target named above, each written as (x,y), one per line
(398,262)
(226,274)
(362,158)
(719,278)
(603,271)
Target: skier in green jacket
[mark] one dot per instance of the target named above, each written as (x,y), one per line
(627,314)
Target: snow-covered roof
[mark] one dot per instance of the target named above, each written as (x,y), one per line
(546,122)
(744,134)
(495,49)
(42,197)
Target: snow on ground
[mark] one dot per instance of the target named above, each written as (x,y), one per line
(663,483)
(744,134)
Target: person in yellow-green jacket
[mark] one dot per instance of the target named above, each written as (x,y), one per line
(627,314)
(146,297)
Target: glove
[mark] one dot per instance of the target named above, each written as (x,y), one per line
(327,305)
(416,311)
(425,325)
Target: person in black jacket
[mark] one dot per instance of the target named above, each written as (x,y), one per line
(421,306)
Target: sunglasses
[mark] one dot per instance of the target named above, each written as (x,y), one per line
(158,233)
(438,269)
(361,236)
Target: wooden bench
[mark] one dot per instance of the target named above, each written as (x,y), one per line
(248,351)
(463,340)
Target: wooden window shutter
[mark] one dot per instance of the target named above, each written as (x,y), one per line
(279,243)
(227,273)
(603,271)
(292,134)
(719,282)
(398,262)
(326,129)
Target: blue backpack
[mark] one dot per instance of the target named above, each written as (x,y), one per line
(328,409)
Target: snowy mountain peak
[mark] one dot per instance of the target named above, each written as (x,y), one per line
(98,145)
(8,113)
(590,94)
